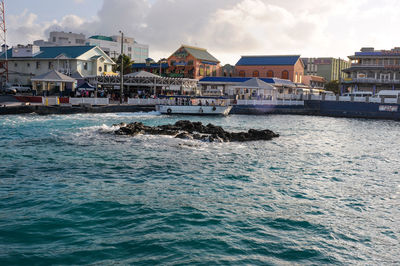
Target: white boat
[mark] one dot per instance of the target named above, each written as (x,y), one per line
(193,109)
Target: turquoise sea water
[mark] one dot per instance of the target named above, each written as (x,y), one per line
(326,192)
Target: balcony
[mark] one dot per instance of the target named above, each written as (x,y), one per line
(370,81)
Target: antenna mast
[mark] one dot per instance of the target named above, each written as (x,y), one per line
(3,40)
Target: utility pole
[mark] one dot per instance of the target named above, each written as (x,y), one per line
(340,77)
(3,38)
(121,72)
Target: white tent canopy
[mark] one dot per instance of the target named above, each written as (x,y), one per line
(255,83)
(142,74)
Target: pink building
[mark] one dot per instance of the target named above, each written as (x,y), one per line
(271,66)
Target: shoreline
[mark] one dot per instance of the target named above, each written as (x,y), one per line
(310,108)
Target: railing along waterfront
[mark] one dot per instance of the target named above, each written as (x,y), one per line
(92,101)
(138,101)
(269,102)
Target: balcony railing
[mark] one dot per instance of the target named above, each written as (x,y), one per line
(370,80)
(381,66)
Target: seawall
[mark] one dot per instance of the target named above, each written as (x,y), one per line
(48,110)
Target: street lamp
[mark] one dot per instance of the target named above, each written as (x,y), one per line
(162,61)
(121,72)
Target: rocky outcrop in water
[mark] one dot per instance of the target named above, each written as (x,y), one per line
(185,129)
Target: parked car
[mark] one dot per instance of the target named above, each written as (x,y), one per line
(8,90)
(20,88)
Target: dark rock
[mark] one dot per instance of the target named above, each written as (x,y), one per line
(185,129)
(184,135)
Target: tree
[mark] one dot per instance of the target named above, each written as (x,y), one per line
(127,64)
(333,86)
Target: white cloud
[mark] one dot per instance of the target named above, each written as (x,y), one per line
(230,28)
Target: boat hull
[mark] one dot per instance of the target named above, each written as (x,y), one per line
(193,110)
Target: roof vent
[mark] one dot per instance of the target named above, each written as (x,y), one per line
(367,49)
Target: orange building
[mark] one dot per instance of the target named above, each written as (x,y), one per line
(193,62)
(271,66)
(316,82)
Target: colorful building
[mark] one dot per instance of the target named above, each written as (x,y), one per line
(152,67)
(326,67)
(373,70)
(273,66)
(193,62)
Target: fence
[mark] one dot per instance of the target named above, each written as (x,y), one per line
(354,99)
(92,101)
(269,102)
(138,101)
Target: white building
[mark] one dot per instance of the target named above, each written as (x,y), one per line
(59,38)
(26,62)
(112,46)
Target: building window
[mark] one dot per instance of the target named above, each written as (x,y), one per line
(285,74)
(256,74)
(190,63)
(28,64)
(50,65)
(85,66)
(129,49)
(37,65)
(242,73)
(100,69)
(15,64)
(208,71)
(105,68)
(201,71)
(270,74)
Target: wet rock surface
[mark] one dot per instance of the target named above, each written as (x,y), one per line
(185,129)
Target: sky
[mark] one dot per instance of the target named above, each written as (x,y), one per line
(226,28)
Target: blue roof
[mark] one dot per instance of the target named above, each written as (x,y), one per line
(154,65)
(54,51)
(276,81)
(223,79)
(273,60)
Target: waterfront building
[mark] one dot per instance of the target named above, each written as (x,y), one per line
(27,61)
(227,86)
(271,66)
(193,62)
(61,38)
(326,67)
(111,45)
(373,70)
(314,82)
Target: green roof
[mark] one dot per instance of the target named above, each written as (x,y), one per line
(55,51)
(101,37)
(200,53)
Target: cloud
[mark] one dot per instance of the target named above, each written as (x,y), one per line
(24,27)
(230,28)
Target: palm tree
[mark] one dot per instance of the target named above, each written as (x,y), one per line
(127,64)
